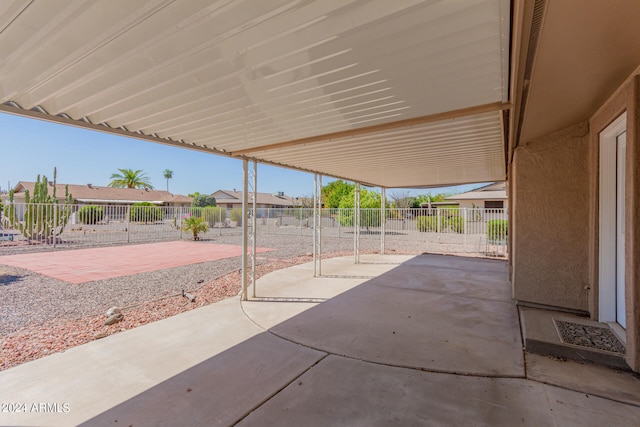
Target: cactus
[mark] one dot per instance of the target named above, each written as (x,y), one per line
(44,215)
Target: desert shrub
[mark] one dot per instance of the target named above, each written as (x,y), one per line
(90,214)
(497,229)
(145,212)
(427,223)
(236,215)
(455,223)
(203,200)
(448,221)
(212,215)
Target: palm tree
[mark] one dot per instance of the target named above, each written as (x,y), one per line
(195,225)
(168,174)
(128,178)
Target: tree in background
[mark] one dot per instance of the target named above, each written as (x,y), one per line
(128,178)
(334,192)
(196,194)
(167,174)
(203,200)
(402,199)
(426,198)
(369,199)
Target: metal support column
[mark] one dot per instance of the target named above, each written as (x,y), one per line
(320,225)
(317,225)
(383,218)
(356,224)
(253,214)
(245,246)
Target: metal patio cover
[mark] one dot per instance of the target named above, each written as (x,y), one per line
(391,93)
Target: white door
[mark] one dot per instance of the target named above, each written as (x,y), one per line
(611,234)
(621,150)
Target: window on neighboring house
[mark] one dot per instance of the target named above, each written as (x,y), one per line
(494,204)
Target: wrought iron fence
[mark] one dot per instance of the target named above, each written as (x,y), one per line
(83,225)
(474,230)
(471,230)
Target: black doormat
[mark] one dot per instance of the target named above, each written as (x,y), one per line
(597,337)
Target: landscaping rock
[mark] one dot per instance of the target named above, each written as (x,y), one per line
(114,310)
(114,318)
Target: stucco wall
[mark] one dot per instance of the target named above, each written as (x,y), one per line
(550,209)
(626,98)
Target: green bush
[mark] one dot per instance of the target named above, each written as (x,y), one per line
(236,215)
(497,229)
(368,218)
(91,214)
(427,223)
(145,212)
(455,223)
(212,215)
(448,221)
(203,200)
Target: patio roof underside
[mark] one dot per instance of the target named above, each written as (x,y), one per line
(386,93)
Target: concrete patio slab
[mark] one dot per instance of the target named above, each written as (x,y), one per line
(294,290)
(401,320)
(220,391)
(340,391)
(87,265)
(621,386)
(216,366)
(97,376)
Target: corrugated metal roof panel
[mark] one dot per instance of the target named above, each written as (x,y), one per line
(238,75)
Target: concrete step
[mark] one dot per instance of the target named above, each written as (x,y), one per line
(570,336)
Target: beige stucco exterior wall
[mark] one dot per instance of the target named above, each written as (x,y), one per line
(626,98)
(550,214)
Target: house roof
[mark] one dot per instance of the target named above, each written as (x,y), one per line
(495,191)
(235,197)
(95,194)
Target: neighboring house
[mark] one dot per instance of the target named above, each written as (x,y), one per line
(492,196)
(96,195)
(229,199)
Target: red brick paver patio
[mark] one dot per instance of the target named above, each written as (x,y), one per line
(86,265)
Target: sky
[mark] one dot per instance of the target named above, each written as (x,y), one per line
(30,147)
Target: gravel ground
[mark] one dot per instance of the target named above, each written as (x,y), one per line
(40,315)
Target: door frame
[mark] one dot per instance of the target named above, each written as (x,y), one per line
(608,218)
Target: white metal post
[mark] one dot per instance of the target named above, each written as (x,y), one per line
(254,214)
(356,224)
(55,224)
(465,219)
(319,191)
(128,213)
(383,219)
(315,225)
(245,205)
